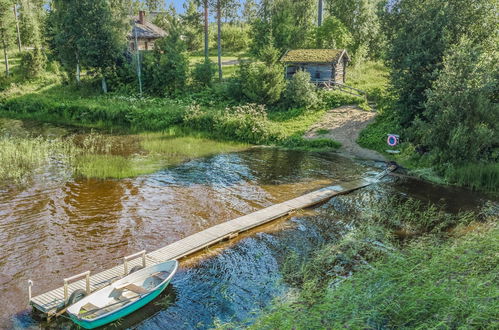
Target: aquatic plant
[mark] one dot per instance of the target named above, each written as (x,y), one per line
(97,155)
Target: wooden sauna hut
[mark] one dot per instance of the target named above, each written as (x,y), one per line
(327,67)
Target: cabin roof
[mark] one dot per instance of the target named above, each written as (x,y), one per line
(314,55)
(147,30)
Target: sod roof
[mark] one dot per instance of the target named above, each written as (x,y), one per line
(314,55)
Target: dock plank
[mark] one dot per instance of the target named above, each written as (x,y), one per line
(51,301)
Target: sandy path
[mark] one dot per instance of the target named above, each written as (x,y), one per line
(344,125)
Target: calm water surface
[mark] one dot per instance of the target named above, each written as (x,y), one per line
(57,227)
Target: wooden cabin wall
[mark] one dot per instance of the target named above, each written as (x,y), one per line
(317,71)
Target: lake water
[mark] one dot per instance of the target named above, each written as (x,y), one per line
(57,226)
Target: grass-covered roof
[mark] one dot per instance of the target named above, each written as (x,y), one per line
(314,55)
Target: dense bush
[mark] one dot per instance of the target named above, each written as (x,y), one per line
(203,73)
(261,82)
(300,93)
(333,34)
(246,123)
(461,119)
(166,69)
(33,62)
(235,38)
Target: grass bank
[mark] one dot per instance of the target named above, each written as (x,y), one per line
(48,99)
(413,266)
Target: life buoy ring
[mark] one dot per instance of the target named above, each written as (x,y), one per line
(392,140)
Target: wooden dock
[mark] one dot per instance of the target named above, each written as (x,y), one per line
(51,302)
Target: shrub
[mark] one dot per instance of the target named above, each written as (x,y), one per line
(165,71)
(33,62)
(261,82)
(203,73)
(244,122)
(234,38)
(460,123)
(300,93)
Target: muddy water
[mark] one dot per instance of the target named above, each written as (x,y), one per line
(64,226)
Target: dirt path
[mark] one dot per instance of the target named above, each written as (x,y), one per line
(344,124)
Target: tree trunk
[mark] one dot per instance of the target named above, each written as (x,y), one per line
(319,14)
(78,72)
(206,50)
(219,39)
(104,85)
(6,57)
(17,28)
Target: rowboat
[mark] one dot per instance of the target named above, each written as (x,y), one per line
(122,297)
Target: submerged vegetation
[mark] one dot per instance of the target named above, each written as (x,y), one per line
(97,155)
(402,265)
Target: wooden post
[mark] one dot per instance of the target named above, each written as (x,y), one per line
(17,28)
(133,256)
(67,280)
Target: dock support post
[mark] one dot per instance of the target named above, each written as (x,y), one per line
(66,283)
(133,256)
(30,284)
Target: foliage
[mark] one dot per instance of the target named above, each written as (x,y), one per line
(6,27)
(203,73)
(234,38)
(399,280)
(261,82)
(416,52)
(250,11)
(86,32)
(333,34)
(31,19)
(300,93)
(464,94)
(192,26)
(165,72)
(33,62)
(286,24)
(360,18)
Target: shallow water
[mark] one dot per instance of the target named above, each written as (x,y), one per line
(60,226)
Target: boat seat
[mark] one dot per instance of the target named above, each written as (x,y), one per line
(135,288)
(88,307)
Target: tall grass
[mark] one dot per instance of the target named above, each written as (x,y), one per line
(20,157)
(479,176)
(105,156)
(410,269)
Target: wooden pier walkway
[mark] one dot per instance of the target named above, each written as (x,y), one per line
(51,302)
